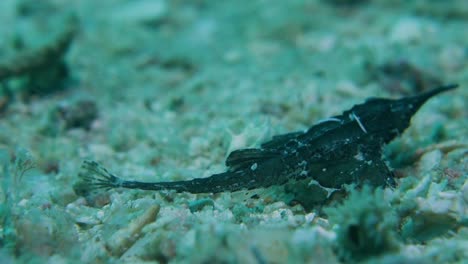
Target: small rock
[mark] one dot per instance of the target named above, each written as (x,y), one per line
(406,30)
(142,11)
(430,160)
(404,77)
(80,114)
(309,217)
(453,58)
(124,238)
(464,191)
(198,205)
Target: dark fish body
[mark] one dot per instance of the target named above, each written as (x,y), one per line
(343,149)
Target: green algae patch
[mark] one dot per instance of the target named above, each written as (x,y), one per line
(365,225)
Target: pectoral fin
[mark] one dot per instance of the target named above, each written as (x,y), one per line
(366,167)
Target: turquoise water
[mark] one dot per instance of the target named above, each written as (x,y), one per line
(164,90)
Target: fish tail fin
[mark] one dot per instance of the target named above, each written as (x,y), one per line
(93,177)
